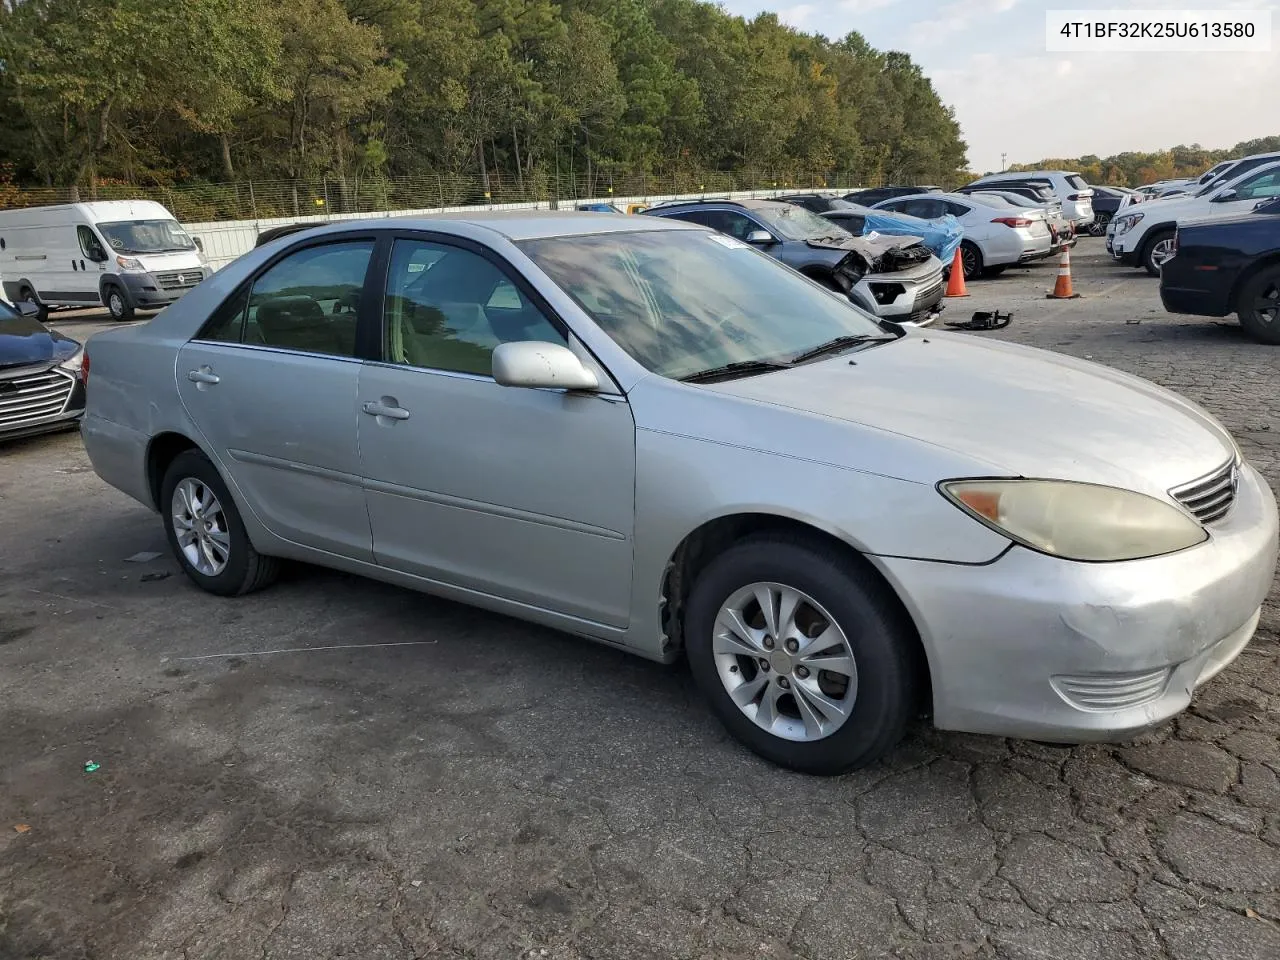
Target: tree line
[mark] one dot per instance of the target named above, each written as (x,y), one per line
(522,92)
(1132,169)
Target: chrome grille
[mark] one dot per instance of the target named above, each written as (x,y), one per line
(31,398)
(180,279)
(1210,498)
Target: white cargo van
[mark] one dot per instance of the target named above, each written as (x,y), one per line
(127,254)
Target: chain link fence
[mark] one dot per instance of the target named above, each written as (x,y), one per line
(269,199)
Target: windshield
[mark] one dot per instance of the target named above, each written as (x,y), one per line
(684,301)
(797,223)
(146,236)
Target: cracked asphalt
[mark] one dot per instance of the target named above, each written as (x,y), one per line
(488,789)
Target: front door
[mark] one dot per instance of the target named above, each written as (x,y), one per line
(527,495)
(271,383)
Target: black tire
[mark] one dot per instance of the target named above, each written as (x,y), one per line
(1099,226)
(1259,305)
(117,302)
(880,635)
(1148,251)
(28,295)
(971,257)
(995,271)
(246,570)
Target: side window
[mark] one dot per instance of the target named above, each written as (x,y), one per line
(734,224)
(1261,186)
(89,244)
(701,217)
(925,209)
(308,301)
(853,224)
(452,315)
(227,323)
(956,209)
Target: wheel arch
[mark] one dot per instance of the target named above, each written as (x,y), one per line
(162,450)
(108,280)
(705,542)
(1262,263)
(1152,231)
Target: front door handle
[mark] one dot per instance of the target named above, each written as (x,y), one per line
(386,407)
(203,375)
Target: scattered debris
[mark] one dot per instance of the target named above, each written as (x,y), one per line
(415,883)
(984,320)
(1133,321)
(153,577)
(91,766)
(1251,914)
(146,556)
(22,828)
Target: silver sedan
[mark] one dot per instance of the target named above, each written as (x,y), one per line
(656,437)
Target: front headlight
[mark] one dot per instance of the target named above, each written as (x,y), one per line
(72,363)
(1127,223)
(1077,521)
(130,265)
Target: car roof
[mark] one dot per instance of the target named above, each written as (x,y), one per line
(517,225)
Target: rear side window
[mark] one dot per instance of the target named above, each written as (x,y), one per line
(1077,182)
(956,209)
(309,300)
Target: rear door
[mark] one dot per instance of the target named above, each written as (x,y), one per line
(271,384)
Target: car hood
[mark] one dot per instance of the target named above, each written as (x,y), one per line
(25,342)
(1007,409)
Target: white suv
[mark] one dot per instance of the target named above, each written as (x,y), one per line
(1075,194)
(1143,235)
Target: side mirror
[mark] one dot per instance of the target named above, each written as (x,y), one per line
(199,243)
(535,364)
(760,238)
(27,308)
(1226,197)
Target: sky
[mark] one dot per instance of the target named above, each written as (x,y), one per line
(987,59)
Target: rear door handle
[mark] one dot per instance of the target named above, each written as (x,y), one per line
(203,375)
(386,407)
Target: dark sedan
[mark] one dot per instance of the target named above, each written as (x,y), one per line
(1228,266)
(41,381)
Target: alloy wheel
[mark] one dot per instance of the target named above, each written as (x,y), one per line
(200,527)
(1266,305)
(785,662)
(1161,251)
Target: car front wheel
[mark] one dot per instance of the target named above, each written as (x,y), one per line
(205,531)
(1158,249)
(802,654)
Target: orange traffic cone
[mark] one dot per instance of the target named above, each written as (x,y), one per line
(955,283)
(1062,289)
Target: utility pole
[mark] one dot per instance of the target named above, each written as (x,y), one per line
(1002,156)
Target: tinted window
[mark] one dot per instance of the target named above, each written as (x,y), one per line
(227,322)
(308,301)
(447,308)
(926,209)
(680,302)
(853,222)
(734,224)
(956,209)
(1077,182)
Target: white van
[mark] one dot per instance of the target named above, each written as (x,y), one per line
(127,254)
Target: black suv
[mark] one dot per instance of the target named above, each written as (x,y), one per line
(869,198)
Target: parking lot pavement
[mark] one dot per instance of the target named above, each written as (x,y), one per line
(469,786)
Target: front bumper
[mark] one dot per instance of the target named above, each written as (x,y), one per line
(152,290)
(1116,247)
(1035,647)
(919,302)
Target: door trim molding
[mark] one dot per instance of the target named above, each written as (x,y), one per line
(262,460)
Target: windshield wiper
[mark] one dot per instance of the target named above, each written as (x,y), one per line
(740,368)
(838,344)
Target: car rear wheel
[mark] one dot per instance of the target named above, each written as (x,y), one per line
(205,531)
(1158,249)
(802,654)
(1259,305)
(971,258)
(118,304)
